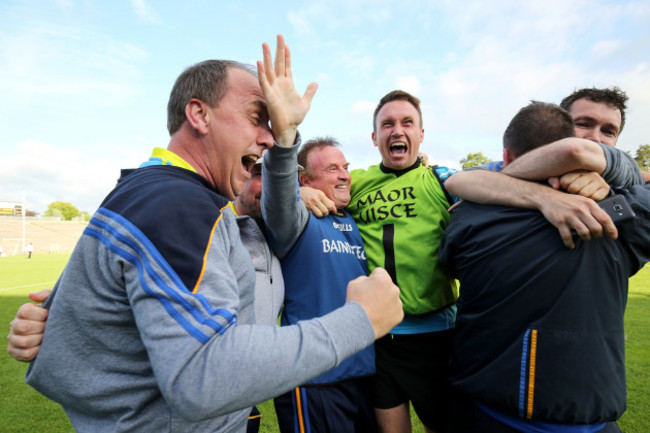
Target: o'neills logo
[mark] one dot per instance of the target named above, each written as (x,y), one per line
(342,227)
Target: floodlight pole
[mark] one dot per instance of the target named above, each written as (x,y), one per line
(23,212)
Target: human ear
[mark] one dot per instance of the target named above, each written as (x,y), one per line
(197,115)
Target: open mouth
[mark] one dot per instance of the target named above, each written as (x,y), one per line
(397,148)
(248,162)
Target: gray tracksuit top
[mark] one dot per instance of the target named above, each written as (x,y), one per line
(151,323)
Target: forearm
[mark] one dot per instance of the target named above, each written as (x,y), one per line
(558,158)
(250,364)
(284,215)
(622,171)
(487,187)
(207,357)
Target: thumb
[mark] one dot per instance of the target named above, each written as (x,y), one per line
(40,296)
(379,273)
(333,207)
(310,92)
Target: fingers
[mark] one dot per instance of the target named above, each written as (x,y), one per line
(316,201)
(280,57)
(592,222)
(40,296)
(567,237)
(319,210)
(268,61)
(586,184)
(26,332)
(379,273)
(608,227)
(576,215)
(265,73)
(287,61)
(554,182)
(23,355)
(31,312)
(599,193)
(424,157)
(328,205)
(24,341)
(261,77)
(379,297)
(454,206)
(322,208)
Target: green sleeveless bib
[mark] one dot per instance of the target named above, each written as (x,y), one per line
(402,220)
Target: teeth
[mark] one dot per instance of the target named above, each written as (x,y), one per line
(249,161)
(398,148)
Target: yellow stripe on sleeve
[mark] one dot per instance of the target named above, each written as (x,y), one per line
(531,374)
(205,255)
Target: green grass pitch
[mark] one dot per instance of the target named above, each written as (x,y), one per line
(24,410)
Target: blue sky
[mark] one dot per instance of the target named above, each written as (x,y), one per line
(84,84)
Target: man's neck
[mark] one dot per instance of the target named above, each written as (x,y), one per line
(399,172)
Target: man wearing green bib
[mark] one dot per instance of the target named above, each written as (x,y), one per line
(400,207)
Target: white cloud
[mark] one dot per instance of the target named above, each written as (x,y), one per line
(47,173)
(323,78)
(606,47)
(409,83)
(299,22)
(42,60)
(64,4)
(363,107)
(334,15)
(67,73)
(145,12)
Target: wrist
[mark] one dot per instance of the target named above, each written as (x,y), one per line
(539,195)
(286,137)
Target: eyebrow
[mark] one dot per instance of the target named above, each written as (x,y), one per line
(594,120)
(394,118)
(259,104)
(334,164)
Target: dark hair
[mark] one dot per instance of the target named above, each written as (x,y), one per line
(612,96)
(537,124)
(396,95)
(308,146)
(207,81)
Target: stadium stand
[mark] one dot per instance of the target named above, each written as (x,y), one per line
(47,235)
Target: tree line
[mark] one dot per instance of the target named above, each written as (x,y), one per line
(642,158)
(65,210)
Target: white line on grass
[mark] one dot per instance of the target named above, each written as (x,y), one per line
(28,285)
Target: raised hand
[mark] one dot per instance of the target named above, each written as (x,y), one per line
(286,107)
